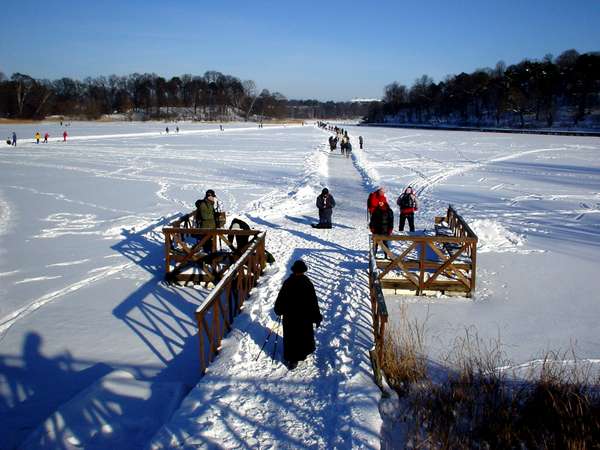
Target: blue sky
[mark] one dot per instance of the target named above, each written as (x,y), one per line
(326,50)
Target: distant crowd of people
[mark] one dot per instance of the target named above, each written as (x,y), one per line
(12,140)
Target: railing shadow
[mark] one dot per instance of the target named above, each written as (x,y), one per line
(308,220)
(159,314)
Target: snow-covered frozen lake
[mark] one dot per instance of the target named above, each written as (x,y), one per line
(81,291)
(534,202)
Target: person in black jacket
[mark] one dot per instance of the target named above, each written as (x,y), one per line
(325,204)
(240,240)
(297,303)
(382,221)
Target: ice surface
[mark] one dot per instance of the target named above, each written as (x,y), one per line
(81,261)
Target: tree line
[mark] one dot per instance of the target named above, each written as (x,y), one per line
(212,96)
(562,91)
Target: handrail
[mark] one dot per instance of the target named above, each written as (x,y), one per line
(181,255)
(229,272)
(436,262)
(379,316)
(216,314)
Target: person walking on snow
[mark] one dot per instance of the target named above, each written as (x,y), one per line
(167,130)
(408,205)
(343,144)
(65,136)
(360,141)
(325,204)
(14,139)
(37,137)
(348,148)
(46,136)
(298,304)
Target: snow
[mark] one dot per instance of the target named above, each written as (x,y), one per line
(113,426)
(494,237)
(81,266)
(534,202)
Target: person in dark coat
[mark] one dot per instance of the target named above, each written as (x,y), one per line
(360,141)
(348,149)
(325,204)
(297,303)
(382,221)
(240,240)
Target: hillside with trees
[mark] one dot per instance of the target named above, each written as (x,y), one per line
(552,92)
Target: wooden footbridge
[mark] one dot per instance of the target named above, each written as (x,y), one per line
(229,262)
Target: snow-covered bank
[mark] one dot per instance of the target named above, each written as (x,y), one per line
(487,129)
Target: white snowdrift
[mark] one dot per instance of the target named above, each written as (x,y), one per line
(493,237)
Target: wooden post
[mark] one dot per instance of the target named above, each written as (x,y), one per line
(211,341)
(473,266)
(421,269)
(202,349)
(216,324)
(167,253)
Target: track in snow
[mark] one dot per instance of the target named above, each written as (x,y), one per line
(330,400)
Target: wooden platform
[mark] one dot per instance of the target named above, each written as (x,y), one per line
(442,260)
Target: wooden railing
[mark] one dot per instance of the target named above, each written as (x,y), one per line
(232,270)
(444,261)
(223,303)
(185,256)
(379,315)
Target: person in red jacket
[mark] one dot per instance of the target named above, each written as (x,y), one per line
(46,136)
(408,205)
(376,199)
(65,136)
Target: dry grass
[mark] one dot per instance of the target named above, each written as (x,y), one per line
(556,405)
(17,121)
(403,360)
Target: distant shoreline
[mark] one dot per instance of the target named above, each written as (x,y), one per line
(5,121)
(487,129)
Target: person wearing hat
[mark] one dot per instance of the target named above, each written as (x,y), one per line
(205,216)
(325,204)
(298,304)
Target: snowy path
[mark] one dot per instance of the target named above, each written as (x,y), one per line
(330,400)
